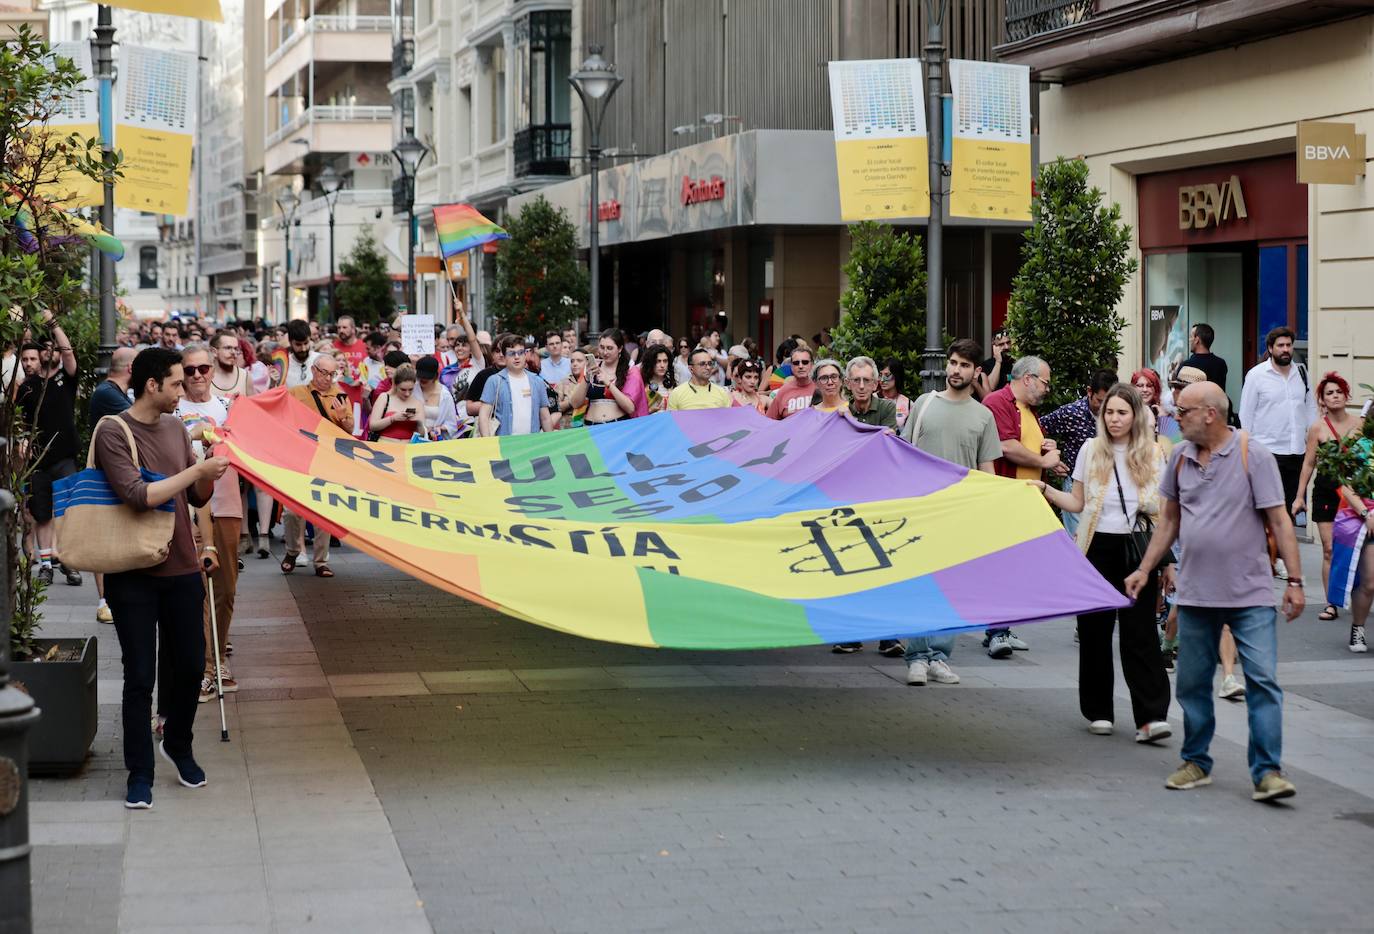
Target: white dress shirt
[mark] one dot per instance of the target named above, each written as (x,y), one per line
(1277,410)
(297,373)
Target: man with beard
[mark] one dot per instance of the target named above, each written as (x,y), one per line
(950,424)
(47,399)
(302,357)
(351,351)
(166,598)
(1277,407)
(228,380)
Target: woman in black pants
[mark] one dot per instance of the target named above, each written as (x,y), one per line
(1116,478)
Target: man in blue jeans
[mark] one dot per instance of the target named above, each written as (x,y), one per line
(1220,490)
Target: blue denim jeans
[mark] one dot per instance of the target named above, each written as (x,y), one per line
(1256,634)
(929,648)
(1070,518)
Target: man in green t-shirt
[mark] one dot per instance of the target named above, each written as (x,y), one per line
(953,425)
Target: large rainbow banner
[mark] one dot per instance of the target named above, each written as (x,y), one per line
(705,530)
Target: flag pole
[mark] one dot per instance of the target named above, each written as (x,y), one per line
(102,56)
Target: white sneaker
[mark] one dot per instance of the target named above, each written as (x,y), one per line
(1232,688)
(1017,644)
(1100,728)
(999,646)
(1280,569)
(941,673)
(916,672)
(1357,643)
(1153,731)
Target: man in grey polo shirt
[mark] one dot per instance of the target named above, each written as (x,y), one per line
(1219,491)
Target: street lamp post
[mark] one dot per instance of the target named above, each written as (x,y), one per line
(595,81)
(409,153)
(932,360)
(330,182)
(287,202)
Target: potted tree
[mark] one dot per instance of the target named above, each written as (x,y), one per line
(44,252)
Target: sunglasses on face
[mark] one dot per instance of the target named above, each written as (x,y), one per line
(801,362)
(201,370)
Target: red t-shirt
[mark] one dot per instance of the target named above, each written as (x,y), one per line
(791,399)
(350,379)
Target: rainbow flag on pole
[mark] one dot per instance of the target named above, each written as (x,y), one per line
(717,529)
(461,228)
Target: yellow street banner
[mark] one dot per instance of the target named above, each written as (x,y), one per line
(990,175)
(71,122)
(155,118)
(195,9)
(881,159)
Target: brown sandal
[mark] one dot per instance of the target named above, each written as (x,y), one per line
(288,564)
(323,571)
(1331,612)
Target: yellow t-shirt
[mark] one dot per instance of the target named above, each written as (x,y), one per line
(1032,437)
(687,397)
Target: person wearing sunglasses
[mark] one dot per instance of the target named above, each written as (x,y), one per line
(891,381)
(796,392)
(202,411)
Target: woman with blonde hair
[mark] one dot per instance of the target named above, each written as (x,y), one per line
(1115,485)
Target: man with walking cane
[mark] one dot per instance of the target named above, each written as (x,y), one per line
(219,523)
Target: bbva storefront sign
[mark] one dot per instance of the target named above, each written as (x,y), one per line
(1329,153)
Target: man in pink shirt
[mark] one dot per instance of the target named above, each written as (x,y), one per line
(795,393)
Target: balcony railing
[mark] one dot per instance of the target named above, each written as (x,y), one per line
(331,23)
(1026,18)
(543,150)
(332,113)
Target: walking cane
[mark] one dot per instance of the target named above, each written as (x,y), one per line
(219,674)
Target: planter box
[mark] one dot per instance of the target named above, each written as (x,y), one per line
(65,691)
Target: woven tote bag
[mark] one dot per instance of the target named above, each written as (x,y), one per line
(97,531)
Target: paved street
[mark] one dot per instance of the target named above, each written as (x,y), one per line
(404,761)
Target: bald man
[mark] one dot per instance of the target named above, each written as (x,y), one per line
(1219,492)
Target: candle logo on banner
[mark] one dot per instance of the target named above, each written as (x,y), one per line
(991,173)
(880,139)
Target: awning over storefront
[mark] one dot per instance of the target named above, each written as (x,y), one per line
(755,178)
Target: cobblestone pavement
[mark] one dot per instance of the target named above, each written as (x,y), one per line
(535,782)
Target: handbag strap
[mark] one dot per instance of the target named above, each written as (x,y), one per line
(128,434)
(1121,494)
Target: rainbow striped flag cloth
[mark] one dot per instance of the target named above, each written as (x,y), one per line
(717,529)
(461,228)
(71,227)
(1348,535)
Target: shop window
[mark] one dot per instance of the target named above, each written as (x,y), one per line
(147,267)
(1273,290)
(1300,295)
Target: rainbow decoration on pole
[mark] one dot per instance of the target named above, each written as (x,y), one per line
(698,530)
(461,228)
